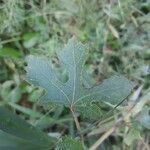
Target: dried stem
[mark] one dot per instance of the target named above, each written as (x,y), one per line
(77,124)
(120,122)
(102,138)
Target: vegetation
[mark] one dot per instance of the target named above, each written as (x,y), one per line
(57,93)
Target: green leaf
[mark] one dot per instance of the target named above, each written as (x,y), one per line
(9,52)
(69,143)
(30,39)
(72,58)
(8,94)
(35,95)
(131,136)
(90,111)
(144,117)
(17,134)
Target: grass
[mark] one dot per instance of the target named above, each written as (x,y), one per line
(118,34)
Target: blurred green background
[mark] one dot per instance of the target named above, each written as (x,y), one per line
(118,34)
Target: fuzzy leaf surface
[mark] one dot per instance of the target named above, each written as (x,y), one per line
(72,58)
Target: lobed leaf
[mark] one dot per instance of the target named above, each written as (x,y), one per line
(73,57)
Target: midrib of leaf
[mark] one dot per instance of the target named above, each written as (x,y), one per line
(74,78)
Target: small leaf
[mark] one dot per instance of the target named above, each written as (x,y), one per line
(73,57)
(8,94)
(144,117)
(17,134)
(30,39)
(69,143)
(9,52)
(90,111)
(131,136)
(35,95)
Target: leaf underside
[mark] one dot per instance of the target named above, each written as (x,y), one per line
(72,58)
